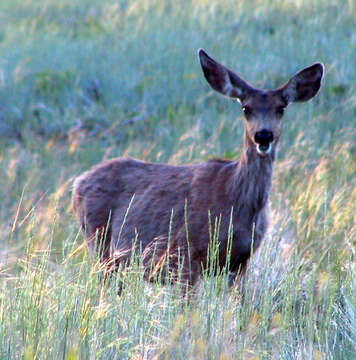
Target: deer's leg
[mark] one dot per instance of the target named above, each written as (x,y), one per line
(98,240)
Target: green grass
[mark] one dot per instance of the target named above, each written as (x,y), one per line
(82,81)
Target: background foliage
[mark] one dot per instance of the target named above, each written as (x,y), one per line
(82,81)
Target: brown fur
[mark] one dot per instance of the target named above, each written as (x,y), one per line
(172,206)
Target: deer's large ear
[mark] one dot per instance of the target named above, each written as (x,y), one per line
(304,85)
(222,79)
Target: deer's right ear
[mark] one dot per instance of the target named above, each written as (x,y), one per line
(304,85)
(222,79)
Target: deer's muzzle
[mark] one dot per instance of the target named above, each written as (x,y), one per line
(264,140)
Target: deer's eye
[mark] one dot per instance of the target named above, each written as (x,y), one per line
(247,110)
(280,110)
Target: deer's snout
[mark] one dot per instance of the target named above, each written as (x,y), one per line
(264,137)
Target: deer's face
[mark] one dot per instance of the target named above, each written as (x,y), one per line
(263,109)
(263,112)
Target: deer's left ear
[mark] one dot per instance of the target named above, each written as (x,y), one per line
(222,79)
(304,85)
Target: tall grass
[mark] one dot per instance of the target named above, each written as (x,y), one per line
(64,309)
(81,81)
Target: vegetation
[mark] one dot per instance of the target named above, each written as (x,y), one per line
(82,81)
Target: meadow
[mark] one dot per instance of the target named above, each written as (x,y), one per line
(82,81)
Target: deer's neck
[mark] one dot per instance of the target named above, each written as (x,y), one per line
(252,179)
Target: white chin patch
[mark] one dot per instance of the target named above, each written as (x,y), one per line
(264,150)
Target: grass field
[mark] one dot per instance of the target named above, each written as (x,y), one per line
(82,81)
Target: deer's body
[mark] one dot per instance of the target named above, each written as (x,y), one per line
(163,192)
(173,209)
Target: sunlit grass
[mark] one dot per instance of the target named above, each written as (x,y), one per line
(59,307)
(82,81)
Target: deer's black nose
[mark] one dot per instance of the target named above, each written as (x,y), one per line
(264,137)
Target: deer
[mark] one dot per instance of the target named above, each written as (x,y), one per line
(167,210)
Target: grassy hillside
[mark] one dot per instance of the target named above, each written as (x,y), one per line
(82,81)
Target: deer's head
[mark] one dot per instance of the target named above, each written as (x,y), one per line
(263,109)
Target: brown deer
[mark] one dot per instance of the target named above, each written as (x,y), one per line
(169,212)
